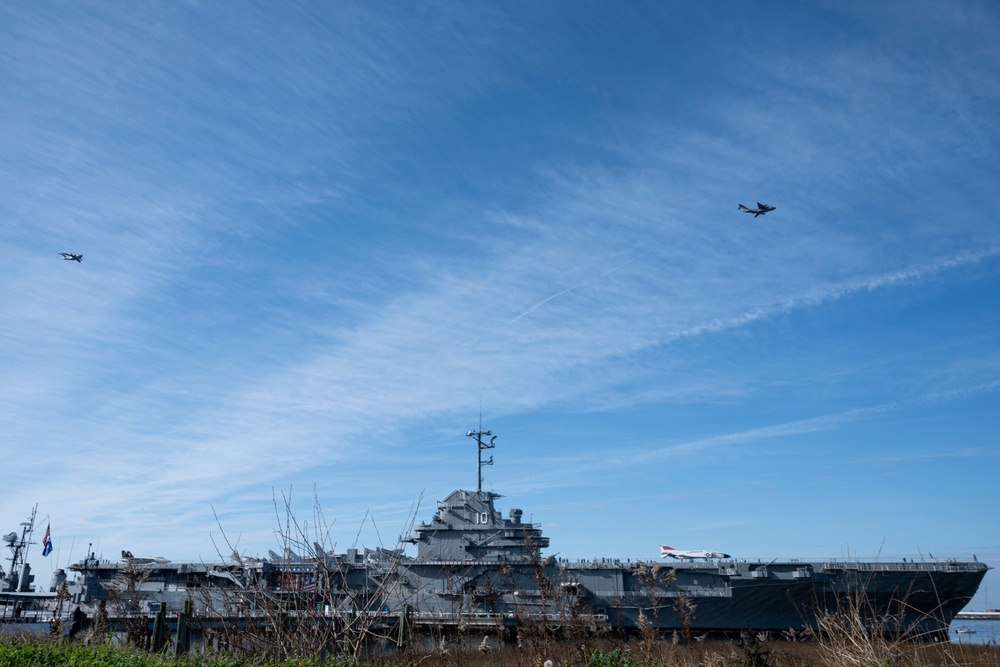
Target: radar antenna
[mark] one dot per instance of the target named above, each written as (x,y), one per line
(480,446)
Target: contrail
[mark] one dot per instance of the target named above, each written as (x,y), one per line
(820,423)
(603,274)
(619,458)
(839,291)
(545,301)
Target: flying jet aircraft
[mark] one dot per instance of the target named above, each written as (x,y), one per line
(70,256)
(692,553)
(760,210)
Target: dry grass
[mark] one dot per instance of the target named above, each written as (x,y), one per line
(744,652)
(747,651)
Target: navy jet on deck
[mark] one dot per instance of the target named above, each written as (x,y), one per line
(666,551)
(135,560)
(760,210)
(71,257)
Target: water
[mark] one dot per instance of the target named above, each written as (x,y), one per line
(986,631)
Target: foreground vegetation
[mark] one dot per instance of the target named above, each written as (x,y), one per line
(748,651)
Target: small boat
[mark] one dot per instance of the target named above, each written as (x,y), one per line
(965,631)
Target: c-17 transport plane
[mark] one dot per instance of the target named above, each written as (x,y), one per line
(760,210)
(71,257)
(691,553)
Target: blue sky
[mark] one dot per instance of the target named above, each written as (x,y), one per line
(320,238)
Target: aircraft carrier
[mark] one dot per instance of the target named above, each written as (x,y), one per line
(473,567)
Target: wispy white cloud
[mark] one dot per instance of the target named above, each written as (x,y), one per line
(584,466)
(423,355)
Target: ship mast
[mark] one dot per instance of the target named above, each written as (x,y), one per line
(19,549)
(480,446)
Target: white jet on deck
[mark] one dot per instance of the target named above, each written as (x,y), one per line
(666,551)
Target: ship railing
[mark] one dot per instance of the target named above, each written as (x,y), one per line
(907,566)
(695,592)
(443,616)
(34,616)
(438,617)
(592,564)
(550,616)
(471,563)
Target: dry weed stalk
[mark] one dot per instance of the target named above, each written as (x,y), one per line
(56,626)
(656,579)
(125,595)
(684,607)
(302,605)
(852,636)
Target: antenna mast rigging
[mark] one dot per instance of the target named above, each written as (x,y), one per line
(480,446)
(19,554)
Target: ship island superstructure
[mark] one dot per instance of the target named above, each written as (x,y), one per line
(475,567)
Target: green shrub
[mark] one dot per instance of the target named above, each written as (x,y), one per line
(613,658)
(28,653)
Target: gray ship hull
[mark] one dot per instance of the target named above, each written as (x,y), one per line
(475,568)
(724,596)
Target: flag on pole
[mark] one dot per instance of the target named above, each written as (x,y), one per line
(47,541)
